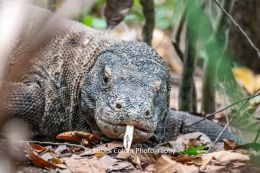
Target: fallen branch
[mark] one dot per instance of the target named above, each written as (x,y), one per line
(54,143)
(226,126)
(223,109)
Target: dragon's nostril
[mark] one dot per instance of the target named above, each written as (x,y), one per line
(147,113)
(118,106)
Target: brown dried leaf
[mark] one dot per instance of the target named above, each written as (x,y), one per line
(197,160)
(75,149)
(216,169)
(86,136)
(185,139)
(124,155)
(182,158)
(166,165)
(136,160)
(205,161)
(120,166)
(103,147)
(100,165)
(194,142)
(77,136)
(147,158)
(223,157)
(115,11)
(39,161)
(139,157)
(228,156)
(68,136)
(38,148)
(229,144)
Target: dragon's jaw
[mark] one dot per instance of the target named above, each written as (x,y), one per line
(116,129)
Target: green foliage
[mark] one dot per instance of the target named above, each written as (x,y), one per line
(193,150)
(135,14)
(167,14)
(95,22)
(212,48)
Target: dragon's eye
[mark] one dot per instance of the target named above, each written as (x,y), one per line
(107,74)
(105,79)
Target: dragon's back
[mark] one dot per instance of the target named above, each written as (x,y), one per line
(56,56)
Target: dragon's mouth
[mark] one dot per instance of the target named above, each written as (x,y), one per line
(118,130)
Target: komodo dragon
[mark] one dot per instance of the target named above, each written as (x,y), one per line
(83,79)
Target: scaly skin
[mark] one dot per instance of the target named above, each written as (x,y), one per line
(129,84)
(82,79)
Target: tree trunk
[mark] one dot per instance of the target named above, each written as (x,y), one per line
(187,92)
(247,14)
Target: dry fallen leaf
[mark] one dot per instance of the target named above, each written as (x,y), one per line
(228,156)
(87,136)
(39,161)
(103,148)
(185,139)
(182,158)
(229,144)
(194,142)
(166,165)
(247,79)
(223,157)
(68,136)
(128,137)
(185,158)
(38,148)
(197,160)
(139,157)
(97,164)
(77,136)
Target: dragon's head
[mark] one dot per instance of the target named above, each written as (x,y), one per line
(128,84)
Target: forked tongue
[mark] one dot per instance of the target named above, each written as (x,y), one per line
(128,138)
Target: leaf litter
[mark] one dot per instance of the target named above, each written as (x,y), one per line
(116,156)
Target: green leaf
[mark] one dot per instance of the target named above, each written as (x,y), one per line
(193,150)
(87,20)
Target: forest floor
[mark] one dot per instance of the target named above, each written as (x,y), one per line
(188,153)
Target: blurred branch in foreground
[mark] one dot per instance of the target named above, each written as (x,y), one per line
(187,92)
(148,11)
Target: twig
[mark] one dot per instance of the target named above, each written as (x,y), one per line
(176,42)
(226,126)
(54,143)
(225,108)
(238,27)
(178,50)
(257,136)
